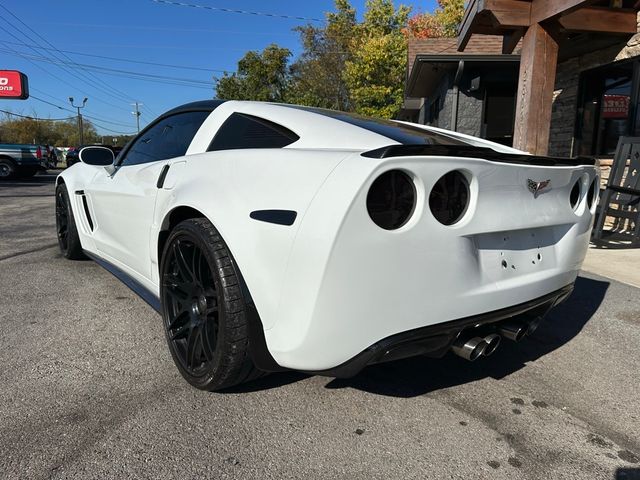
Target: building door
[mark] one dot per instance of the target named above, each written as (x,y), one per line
(499,113)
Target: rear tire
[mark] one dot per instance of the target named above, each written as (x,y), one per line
(68,238)
(7,169)
(203,309)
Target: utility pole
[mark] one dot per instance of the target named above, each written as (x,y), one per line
(137,114)
(80,126)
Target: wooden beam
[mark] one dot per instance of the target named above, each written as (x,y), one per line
(538,60)
(542,10)
(465,31)
(601,20)
(510,40)
(507,13)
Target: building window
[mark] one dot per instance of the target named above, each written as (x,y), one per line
(606,103)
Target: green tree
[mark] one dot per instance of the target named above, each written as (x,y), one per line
(375,73)
(261,76)
(317,78)
(43,131)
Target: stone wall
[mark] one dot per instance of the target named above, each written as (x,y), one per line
(469,108)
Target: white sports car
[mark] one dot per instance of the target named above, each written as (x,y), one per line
(276,237)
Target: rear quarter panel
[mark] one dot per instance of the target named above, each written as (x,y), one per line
(226,186)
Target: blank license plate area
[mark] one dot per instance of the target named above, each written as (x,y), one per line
(518,252)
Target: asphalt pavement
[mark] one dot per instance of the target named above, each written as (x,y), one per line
(88,389)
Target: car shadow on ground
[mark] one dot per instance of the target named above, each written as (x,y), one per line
(420,375)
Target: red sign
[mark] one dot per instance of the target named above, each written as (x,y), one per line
(13,85)
(615,106)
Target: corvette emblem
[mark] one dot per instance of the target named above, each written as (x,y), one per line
(537,187)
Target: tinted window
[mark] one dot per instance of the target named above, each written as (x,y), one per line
(246,131)
(168,138)
(399,132)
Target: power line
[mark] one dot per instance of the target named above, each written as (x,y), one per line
(189,82)
(47,71)
(181,67)
(37,118)
(85,115)
(87,77)
(169,29)
(111,121)
(230,10)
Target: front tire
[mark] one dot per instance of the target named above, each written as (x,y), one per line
(68,238)
(203,309)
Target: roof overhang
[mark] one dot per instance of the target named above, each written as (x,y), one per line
(428,70)
(511,18)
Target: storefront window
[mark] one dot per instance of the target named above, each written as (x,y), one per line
(604,111)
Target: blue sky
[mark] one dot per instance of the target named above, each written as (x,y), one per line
(206,41)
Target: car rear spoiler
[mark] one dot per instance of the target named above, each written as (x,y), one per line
(470,151)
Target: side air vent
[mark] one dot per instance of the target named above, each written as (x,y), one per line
(85,205)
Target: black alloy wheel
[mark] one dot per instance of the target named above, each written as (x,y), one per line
(203,308)
(67,233)
(191,303)
(62,220)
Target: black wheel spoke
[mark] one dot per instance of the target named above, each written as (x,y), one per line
(193,347)
(180,332)
(181,262)
(179,320)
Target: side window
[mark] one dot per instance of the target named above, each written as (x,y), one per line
(168,138)
(246,131)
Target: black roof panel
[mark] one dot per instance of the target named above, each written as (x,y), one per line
(200,105)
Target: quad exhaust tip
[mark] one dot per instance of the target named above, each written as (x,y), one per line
(513,330)
(473,348)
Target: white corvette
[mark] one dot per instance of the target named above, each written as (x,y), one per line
(278,237)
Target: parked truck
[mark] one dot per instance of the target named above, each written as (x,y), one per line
(17,160)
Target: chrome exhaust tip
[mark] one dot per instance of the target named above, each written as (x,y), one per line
(469,348)
(514,330)
(492,341)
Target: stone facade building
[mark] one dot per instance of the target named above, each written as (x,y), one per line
(596,96)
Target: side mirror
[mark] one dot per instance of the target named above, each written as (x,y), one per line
(98,156)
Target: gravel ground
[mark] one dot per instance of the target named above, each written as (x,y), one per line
(88,389)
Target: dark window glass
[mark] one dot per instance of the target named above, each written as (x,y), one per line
(168,138)
(246,131)
(399,132)
(604,109)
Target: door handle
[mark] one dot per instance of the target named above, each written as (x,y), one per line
(163,175)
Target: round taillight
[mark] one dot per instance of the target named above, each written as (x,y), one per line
(593,193)
(574,196)
(449,198)
(391,199)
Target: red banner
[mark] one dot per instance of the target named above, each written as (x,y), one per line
(13,85)
(615,106)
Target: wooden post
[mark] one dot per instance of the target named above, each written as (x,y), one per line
(538,60)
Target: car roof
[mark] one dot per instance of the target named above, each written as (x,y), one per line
(202,105)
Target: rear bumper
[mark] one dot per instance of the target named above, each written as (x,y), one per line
(349,283)
(435,340)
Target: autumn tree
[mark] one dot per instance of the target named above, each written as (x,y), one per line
(262,76)
(375,74)
(443,22)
